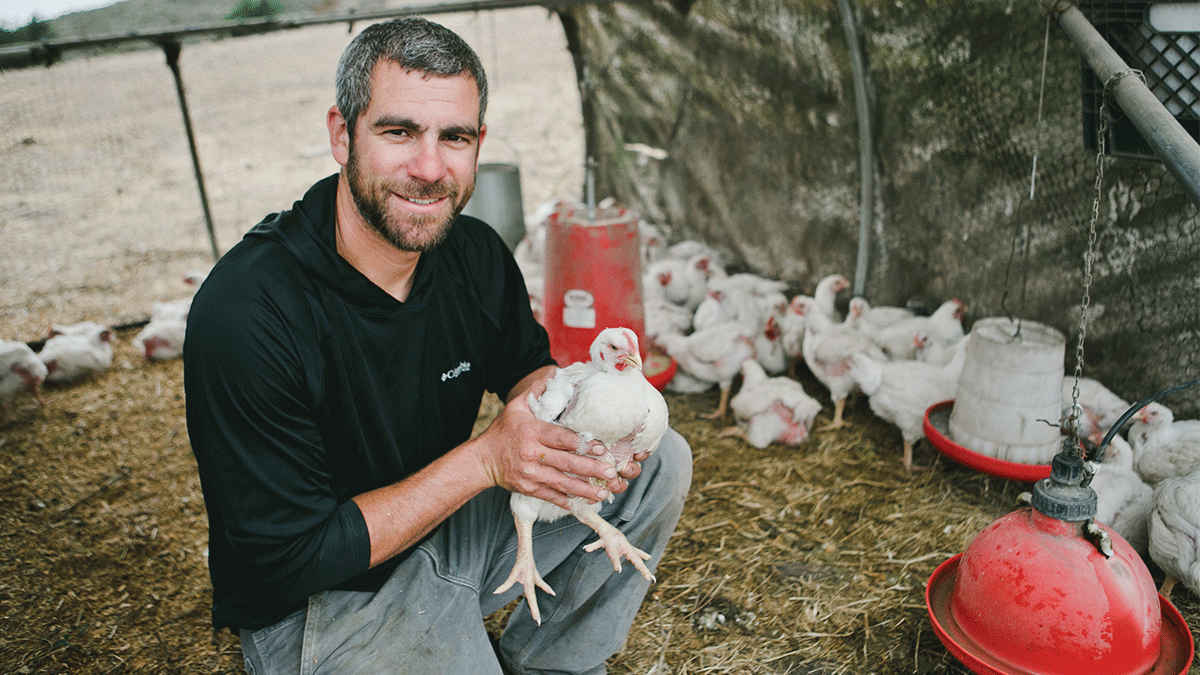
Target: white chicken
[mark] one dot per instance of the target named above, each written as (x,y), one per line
(825,295)
(652,242)
(665,317)
(944,325)
(76,350)
(872,319)
(827,349)
(689,248)
(901,391)
(1175,531)
(791,331)
(1123,499)
(933,351)
(531,250)
(771,409)
(20,370)
(534,275)
(170,310)
(768,348)
(712,355)
(1163,447)
(744,297)
(606,399)
(1100,408)
(681,282)
(194,278)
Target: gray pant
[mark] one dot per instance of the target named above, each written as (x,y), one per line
(428,617)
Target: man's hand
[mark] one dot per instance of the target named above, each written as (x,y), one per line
(524,454)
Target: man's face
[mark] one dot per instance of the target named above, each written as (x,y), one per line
(413,155)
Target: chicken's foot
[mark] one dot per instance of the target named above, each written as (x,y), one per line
(722,406)
(524,570)
(838,422)
(614,542)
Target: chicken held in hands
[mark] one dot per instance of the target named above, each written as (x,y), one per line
(607,399)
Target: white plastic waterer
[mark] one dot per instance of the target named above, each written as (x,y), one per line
(1010,392)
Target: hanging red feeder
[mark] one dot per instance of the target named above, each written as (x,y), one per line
(594,281)
(593,278)
(1047,591)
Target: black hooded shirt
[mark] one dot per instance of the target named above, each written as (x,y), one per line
(307,384)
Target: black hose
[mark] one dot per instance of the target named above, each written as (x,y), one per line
(1099,457)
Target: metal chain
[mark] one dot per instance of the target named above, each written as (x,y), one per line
(1072,421)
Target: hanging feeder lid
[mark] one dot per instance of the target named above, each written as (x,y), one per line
(937,426)
(1176,646)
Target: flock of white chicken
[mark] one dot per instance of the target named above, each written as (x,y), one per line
(717,326)
(73,351)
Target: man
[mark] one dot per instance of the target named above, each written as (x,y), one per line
(334,365)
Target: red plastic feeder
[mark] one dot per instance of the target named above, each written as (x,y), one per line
(594,281)
(1055,594)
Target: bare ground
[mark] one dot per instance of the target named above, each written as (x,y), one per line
(787,560)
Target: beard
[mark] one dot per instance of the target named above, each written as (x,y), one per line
(416,233)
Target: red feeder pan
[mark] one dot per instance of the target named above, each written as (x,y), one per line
(937,424)
(1175,652)
(659,369)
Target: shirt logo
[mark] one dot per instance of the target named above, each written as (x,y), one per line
(461,368)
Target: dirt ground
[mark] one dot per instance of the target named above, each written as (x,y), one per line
(809,559)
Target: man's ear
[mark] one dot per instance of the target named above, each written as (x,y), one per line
(339,135)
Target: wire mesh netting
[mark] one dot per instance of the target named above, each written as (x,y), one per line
(1005,128)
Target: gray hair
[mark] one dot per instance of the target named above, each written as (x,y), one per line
(415,45)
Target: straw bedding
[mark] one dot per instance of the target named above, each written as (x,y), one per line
(809,559)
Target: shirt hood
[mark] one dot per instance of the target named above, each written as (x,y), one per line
(308,232)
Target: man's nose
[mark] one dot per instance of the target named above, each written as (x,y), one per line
(428,164)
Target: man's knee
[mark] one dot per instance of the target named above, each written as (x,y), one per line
(673,464)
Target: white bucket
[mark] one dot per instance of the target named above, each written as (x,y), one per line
(1010,391)
(497,201)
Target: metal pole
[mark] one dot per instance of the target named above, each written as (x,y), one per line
(172,48)
(1166,136)
(866,165)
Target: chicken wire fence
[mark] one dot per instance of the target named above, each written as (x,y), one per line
(985,86)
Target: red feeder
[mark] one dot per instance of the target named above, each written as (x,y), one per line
(1048,591)
(594,281)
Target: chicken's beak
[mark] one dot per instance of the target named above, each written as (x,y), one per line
(634,360)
